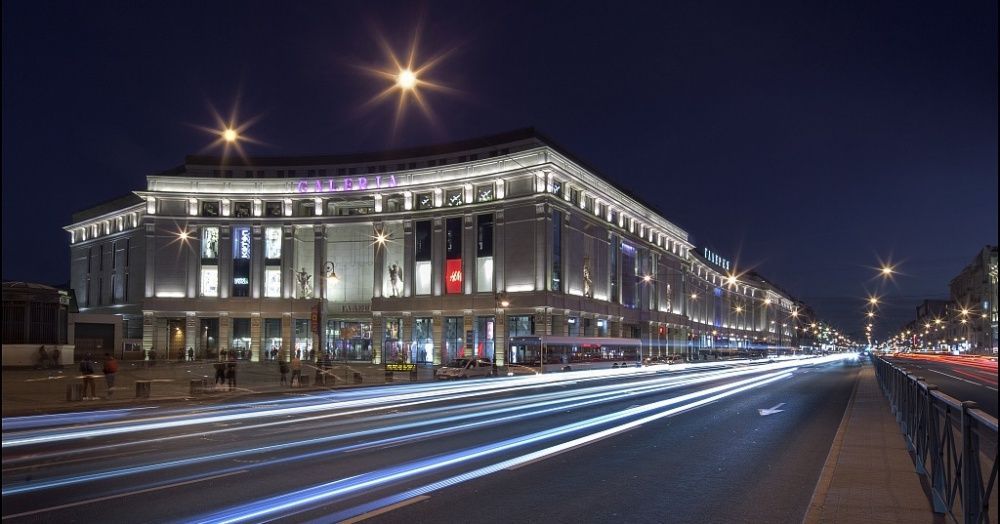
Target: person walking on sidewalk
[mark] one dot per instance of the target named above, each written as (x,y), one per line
(231,372)
(220,373)
(87,371)
(283,369)
(296,370)
(110,370)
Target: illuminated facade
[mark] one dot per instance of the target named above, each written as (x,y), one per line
(403,255)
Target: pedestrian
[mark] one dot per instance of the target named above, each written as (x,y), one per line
(220,373)
(231,374)
(296,370)
(43,358)
(191,354)
(110,370)
(87,372)
(55,358)
(283,369)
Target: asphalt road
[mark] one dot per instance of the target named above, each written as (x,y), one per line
(651,445)
(960,377)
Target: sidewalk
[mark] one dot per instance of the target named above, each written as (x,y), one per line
(38,391)
(869,475)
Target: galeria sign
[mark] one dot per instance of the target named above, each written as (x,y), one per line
(332,185)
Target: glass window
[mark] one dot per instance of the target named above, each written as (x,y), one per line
(273,340)
(272,243)
(454,198)
(392,345)
(209,243)
(613,255)
(422,258)
(629,276)
(272,282)
(484,337)
(422,346)
(484,253)
(242,210)
(425,201)
(484,193)
(209,281)
(349,340)
(242,241)
(454,341)
(240,346)
(209,338)
(453,255)
(273,209)
(210,209)
(520,325)
(303,340)
(556,282)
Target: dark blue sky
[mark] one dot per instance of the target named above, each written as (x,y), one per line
(807,139)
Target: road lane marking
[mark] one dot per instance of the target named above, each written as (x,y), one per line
(387,509)
(954,377)
(121,495)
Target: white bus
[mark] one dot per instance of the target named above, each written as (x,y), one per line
(552,353)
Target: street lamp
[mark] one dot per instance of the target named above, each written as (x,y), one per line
(501,304)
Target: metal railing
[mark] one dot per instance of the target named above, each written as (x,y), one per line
(954,443)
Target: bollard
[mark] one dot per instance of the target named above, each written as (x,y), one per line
(142,388)
(74,392)
(388,376)
(358,379)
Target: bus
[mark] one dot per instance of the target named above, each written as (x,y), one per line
(553,353)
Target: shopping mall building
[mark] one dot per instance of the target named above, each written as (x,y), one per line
(416,255)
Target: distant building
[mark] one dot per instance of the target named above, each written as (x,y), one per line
(35,316)
(974,294)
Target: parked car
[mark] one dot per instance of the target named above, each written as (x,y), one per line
(465,368)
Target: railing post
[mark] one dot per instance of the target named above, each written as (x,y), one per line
(937,478)
(920,425)
(972,480)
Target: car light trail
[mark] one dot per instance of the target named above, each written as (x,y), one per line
(417,397)
(302,500)
(553,403)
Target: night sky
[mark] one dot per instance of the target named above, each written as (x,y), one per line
(807,141)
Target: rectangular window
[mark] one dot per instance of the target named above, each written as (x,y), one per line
(272,244)
(210,208)
(556,281)
(520,325)
(392,344)
(422,349)
(629,276)
(125,289)
(484,193)
(454,197)
(303,340)
(114,255)
(272,282)
(100,261)
(209,281)
(242,241)
(453,256)
(422,258)
(425,201)
(484,253)
(272,209)
(209,244)
(613,252)
(454,342)
(128,250)
(242,210)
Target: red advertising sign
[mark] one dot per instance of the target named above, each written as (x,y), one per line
(314,319)
(453,276)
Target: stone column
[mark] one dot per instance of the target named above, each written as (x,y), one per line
(469,254)
(408,253)
(256,262)
(406,337)
(225,333)
(378,338)
(378,267)
(225,267)
(193,261)
(437,257)
(255,336)
(148,331)
(150,275)
(499,275)
(437,332)
(543,239)
(287,335)
(500,341)
(287,262)
(191,338)
(468,324)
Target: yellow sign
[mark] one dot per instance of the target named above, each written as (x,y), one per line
(400,366)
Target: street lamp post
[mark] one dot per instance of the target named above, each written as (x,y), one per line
(501,304)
